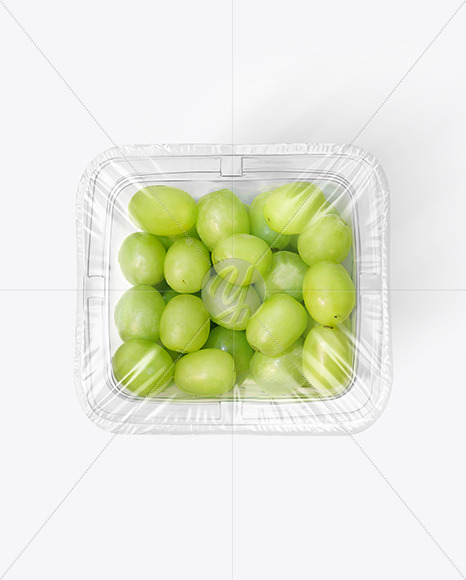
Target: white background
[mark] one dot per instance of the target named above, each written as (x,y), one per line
(161,507)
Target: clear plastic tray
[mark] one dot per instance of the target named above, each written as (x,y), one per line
(351,179)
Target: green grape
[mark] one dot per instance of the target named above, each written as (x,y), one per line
(327,360)
(169,294)
(162,210)
(247,208)
(310,325)
(228,305)
(168,241)
(233,342)
(259,226)
(329,293)
(326,238)
(138,313)
(184,325)
(207,373)
(141,259)
(286,275)
(279,375)
(143,367)
(220,214)
(242,259)
(293,244)
(186,264)
(277,324)
(290,207)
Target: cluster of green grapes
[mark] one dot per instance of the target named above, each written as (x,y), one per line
(218,292)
